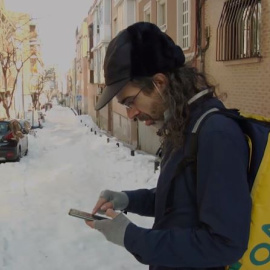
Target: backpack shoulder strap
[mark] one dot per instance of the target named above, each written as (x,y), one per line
(191,158)
(202,118)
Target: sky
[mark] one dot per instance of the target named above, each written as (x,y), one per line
(57,21)
(67,166)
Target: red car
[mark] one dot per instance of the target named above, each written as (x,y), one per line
(13,140)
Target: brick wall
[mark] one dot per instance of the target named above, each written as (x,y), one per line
(243,84)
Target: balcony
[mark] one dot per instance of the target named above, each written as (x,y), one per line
(102,24)
(103,35)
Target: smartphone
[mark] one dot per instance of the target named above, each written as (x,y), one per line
(84,215)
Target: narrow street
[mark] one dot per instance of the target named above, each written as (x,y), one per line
(67,166)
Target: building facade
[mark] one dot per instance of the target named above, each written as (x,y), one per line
(238,57)
(81,68)
(20,50)
(93,87)
(7,31)
(236,63)
(105,20)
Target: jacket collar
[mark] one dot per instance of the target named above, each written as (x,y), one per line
(199,95)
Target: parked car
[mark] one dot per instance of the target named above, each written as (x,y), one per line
(13,139)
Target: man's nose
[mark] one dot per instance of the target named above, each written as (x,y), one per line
(132,112)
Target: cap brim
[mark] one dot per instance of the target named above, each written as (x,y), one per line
(109,92)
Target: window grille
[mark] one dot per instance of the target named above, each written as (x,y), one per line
(185,23)
(238,32)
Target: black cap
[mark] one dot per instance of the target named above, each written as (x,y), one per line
(140,50)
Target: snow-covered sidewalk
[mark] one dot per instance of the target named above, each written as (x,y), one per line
(67,167)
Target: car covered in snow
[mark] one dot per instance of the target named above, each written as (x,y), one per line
(13,139)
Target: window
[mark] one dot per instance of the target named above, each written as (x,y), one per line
(238,33)
(91,71)
(90,39)
(3,128)
(161,15)
(32,28)
(125,14)
(100,14)
(183,15)
(186,23)
(120,17)
(147,12)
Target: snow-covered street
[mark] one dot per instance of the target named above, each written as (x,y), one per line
(67,167)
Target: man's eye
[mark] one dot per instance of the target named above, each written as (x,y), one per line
(128,102)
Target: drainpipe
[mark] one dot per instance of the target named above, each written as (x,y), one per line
(201,50)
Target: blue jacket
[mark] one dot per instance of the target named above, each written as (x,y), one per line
(207,225)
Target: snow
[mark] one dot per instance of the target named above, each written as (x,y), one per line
(67,167)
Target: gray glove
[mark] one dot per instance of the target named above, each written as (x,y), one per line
(113,229)
(118,199)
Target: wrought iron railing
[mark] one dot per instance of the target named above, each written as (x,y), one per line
(238,32)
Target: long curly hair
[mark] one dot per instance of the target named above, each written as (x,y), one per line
(183,84)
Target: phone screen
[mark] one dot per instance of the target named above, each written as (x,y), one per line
(84,215)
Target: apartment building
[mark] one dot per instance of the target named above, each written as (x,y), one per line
(177,18)
(168,15)
(238,57)
(69,95)
(71,85)
(92,87)
(7,30)
(237,63)
(100,36)
(81,67)
(7,27)
(20,39)
(34,67)
(123,15)
(105,20)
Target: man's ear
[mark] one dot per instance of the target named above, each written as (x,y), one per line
(161,81)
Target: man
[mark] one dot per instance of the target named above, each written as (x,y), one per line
(202,214)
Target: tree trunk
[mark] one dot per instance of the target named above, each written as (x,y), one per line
(6,109)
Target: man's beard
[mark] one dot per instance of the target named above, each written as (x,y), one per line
(155,118)
(149,121)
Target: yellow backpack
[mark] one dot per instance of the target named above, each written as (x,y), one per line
(257,131)
(257,256)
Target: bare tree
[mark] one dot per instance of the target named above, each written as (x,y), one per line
(42,79)
(50,91)
(12,61)
(11,66)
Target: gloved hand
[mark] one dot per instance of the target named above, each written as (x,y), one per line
(109,199)
(113,229)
